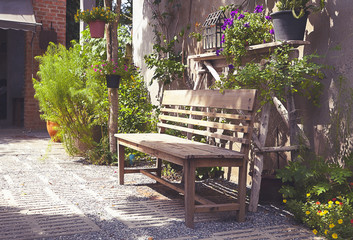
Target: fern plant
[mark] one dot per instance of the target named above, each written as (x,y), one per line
(299,7)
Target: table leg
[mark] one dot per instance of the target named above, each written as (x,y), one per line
(189,185)
(121,163)
(242,191)
(159,167)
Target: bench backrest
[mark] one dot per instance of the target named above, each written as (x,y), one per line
(222,118)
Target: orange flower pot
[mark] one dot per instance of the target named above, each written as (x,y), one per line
(52,130)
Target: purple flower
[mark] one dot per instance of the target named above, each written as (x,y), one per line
(233,13)
(223,38)
(227,22)
(264,41)
(231,66)
(272,31)
(268,17)
(218,51)
(95,69)
(241,16)
(259,9)
(247,24)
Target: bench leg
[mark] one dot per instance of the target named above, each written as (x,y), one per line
(159,167)
(189,185)
(242,191)
(121,163)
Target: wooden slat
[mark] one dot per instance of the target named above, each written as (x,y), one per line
(204,133)
(217,207)
(176,188)
(278,149)
(242,99)
(173,148)
(225,126)
(207,114)
(138,170)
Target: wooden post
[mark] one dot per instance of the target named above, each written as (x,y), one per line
(121,162)
(189,197)
(259,157)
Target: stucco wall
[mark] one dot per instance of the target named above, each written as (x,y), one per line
(330,34)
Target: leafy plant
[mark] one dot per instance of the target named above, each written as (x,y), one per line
(243,29)
(276,74)
(165,62)
(96,13)
(299,6)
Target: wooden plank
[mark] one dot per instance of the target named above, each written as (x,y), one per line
(253,49)
(204,133)
(258,159)
(225,126)
(173,148)
(219,162)
(176,188)
(207,114)
(138,170)
(278,149)
(213,72)
(284,114)
(217,207)
(242,99)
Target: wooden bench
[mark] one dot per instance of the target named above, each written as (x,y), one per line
(223,119)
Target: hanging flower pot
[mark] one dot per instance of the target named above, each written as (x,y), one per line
(97,29)
(113,81)
(287,27)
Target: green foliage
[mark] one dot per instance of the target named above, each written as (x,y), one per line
(72,94)
(299,6)
(165,61)
(278,74)
(243,29)
(315,176)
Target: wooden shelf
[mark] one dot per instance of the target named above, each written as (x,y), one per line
(254,49)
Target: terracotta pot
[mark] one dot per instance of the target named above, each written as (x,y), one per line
(97,29)
(52,130)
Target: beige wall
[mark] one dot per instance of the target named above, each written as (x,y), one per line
(330,34)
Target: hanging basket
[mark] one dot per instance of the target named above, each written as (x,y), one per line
(97,29)
(113,81)
(287,27)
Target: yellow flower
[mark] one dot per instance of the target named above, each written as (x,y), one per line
(340,221)
(332,225)
(326,231)
(307,212)
(325,212)
(337,202)
(334,236)
(308,194)
(330,202)
(284,200)
(315,231)
(329,206)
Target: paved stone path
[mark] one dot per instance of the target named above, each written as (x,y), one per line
(46,194)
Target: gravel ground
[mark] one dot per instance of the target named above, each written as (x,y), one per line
(39,181)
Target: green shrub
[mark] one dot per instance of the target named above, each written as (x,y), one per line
(73,95)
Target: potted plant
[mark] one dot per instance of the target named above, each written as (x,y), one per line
(96,19)
(290,21)
(113,71)
(243,29)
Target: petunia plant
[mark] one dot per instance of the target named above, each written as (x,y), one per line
(243,29)
(125,70)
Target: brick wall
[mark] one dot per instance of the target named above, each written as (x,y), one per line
(46,12)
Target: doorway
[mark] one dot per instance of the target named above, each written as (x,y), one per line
(12,75)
